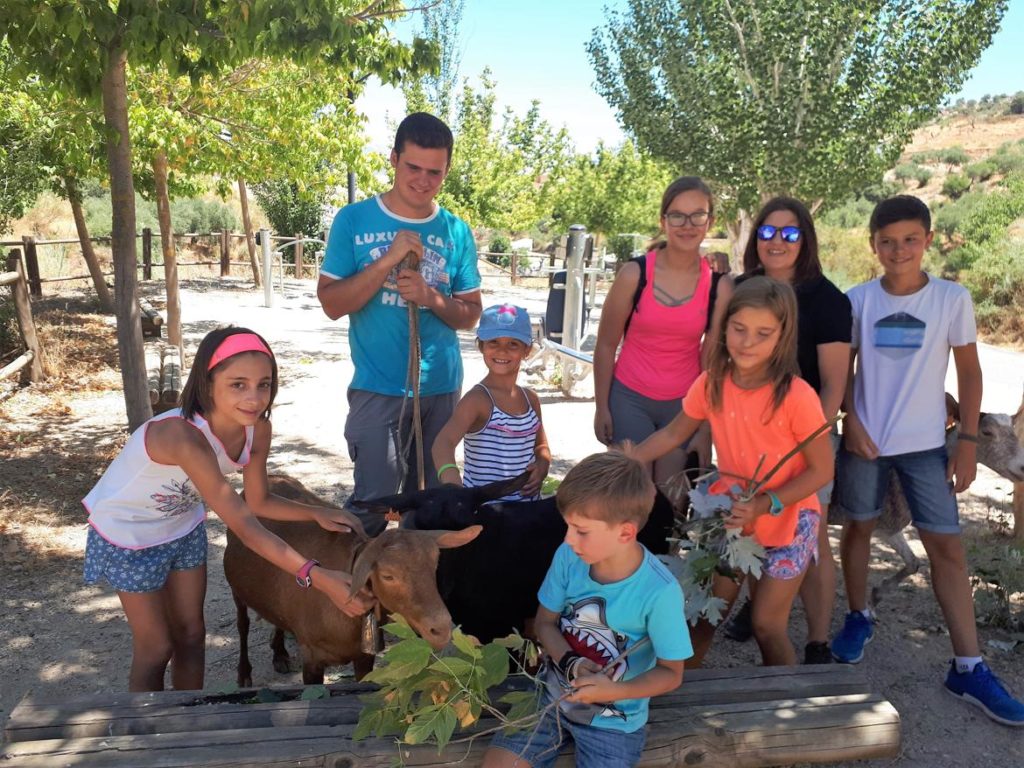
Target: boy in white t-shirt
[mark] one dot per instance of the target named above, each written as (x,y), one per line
(904,326)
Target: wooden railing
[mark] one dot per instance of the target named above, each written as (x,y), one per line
(32,359)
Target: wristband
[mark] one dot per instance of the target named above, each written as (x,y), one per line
(777,506)
(302,577)
(568,664)
(444,468)
(967,437)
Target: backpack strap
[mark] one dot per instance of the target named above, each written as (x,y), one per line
(712,295)
(641,261)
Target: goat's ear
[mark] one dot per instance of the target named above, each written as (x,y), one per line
(364,563)
(450,539)
(952,409)
(400,502)
(500,488)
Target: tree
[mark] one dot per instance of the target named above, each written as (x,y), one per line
(435,92)
(85,47)
(763,97)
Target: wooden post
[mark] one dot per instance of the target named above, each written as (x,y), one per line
(225,253)
(513,266)
(32,265)
(298,255)
(23,310)
(147,254)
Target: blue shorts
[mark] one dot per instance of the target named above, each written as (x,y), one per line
(142,570)
(790,561)
(861,485)
(595,747)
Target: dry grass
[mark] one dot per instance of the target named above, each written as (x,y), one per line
(980,136)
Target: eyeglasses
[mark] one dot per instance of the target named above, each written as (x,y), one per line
(696,219)
(789,234)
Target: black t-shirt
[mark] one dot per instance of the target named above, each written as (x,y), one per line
(824,316)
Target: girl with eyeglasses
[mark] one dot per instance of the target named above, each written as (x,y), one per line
(661,307)
(783,245)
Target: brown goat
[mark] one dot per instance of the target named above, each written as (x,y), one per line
(399,566)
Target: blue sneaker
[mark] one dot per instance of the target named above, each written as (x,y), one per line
(983,689)
(848,644)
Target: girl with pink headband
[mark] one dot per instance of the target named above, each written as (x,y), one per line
(147,532)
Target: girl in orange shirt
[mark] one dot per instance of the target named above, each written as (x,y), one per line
(759,407)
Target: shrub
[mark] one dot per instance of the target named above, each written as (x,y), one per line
(1008,160)
(500,244)
(846,256)
(1016,106)
(912,172)
(955,185)
(623,246)
(949,217)
(195,215)
(981,170)
(849,215)
(291,210)
(953,155)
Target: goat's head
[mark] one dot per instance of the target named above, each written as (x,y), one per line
(447,508)
(1000,447)
(399,567)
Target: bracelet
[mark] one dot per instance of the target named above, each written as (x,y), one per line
(444,468)
(968,437)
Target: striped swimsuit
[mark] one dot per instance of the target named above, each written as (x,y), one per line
(502,449)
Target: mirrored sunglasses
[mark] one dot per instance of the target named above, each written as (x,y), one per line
(789,234)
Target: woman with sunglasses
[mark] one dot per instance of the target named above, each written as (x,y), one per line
(659,307)
(784,246)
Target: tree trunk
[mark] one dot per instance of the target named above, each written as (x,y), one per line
(739,232)
(250,241)
(88,253)
(122,238)
(163,213)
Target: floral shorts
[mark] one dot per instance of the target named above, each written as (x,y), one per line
(142,570)
(790,561)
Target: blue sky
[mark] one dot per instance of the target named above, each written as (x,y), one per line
(536,50)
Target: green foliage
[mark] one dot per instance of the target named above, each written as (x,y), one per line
(955,185)
(845,253)
(1016,106)
(435,92)
(188,215)
(913,172)
(500,244)
(624,246)
(614,190)
(10,336)
(425,695)
(955,155)
(948,218)
(291,210)
(998,578)
(992,217)
(982,170)
(1009,158)
(763,99)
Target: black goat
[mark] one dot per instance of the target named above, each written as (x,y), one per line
(490,585)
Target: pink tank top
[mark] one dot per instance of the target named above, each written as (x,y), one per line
(660,355)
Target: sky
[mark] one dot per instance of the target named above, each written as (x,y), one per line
(536,49)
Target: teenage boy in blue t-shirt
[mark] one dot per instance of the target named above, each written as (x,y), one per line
(361,277)
(611,622)
(904,326)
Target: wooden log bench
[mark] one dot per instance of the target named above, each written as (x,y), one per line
(163,374)
(152,321)
(740,718)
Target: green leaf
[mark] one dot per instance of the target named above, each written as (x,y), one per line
(400,629)
(314,692)
(468,645)
(402,660)
(454,666)
(495,665)
(436,722)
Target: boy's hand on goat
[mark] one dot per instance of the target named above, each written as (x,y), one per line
(338,521)
(593,688)
(338,587)
(963,466)
(538,471)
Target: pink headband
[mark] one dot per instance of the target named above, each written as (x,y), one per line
(235,344)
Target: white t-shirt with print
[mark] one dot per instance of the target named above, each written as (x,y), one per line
(903,345)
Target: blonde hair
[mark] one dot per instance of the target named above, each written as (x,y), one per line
(758,292)
(611,487)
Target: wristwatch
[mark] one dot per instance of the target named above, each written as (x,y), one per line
(302,577)
(777,506)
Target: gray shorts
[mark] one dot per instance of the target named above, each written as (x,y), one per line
(636,417)
(375,439)
(825,492)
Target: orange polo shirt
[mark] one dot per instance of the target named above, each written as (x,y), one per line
(745,428)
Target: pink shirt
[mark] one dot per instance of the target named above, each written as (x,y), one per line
(745,428)
(660,355)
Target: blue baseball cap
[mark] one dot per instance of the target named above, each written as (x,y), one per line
(505,321)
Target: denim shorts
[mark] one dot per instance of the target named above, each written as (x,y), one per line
(790,561)
(595,747)
(142,570)
(861,485)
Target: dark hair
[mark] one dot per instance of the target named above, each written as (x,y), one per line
(197,394)
(808,264)
(424,130)
(672,191)
(900,208)
(610,486)
(759,292)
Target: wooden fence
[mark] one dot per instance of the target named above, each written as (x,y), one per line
(31,361)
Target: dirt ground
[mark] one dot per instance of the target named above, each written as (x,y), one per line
(62,639)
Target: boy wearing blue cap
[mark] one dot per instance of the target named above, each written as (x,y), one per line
(498,421)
